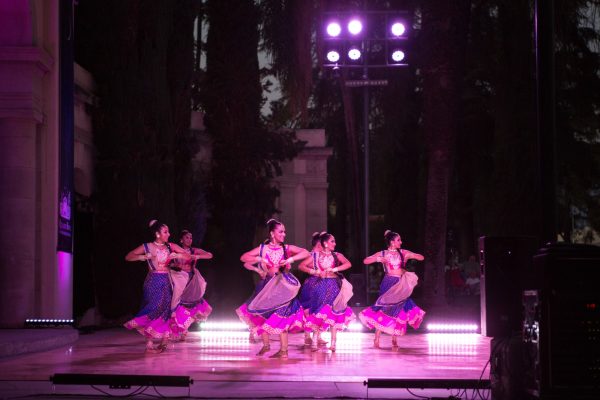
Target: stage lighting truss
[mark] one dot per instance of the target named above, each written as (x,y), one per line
(371,39)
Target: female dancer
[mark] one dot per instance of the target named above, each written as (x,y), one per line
(394,308)
(242,311)
(188,304)
(275,308)
(308,286)
(153,320)
(325,311)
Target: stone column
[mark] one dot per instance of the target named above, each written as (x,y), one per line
(303,187)
(21,72)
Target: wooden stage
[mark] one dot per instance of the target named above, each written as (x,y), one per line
(223,364)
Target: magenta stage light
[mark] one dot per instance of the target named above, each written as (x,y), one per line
(397,29)
(355,26)
(398,56)
(334,29)
(354,54)
(333,56)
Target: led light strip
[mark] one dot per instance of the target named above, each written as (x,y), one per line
(467,328)
(48,321)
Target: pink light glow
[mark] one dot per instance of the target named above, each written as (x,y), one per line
(64,285)
(457,344)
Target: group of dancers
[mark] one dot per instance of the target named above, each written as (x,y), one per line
(174,290)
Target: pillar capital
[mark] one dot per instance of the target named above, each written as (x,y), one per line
(21,81)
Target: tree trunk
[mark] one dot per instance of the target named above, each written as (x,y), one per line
(515,209)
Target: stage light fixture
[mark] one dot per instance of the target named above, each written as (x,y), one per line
(355,26)
(376,32)
(334,29)
(121,381)
(354,53)
(333,56)
(376,383)
(397,29)
(397,56)
(47,322)
(455,328)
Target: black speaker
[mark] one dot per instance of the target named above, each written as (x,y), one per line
(561,325)
(506,269)
(506,371)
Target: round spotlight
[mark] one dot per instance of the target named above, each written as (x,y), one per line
(333,56)
(334,29)
(398,29)
(355,26)
(354,54)
(397,56)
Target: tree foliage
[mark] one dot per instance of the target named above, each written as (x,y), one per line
(452,137)
(141,131)
(245,154)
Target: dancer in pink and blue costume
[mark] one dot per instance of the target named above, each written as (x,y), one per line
(394,309)
(153,321)
(323,313)
(188,303)
(275,309)
(307,289)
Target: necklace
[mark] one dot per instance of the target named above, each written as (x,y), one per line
(158,244)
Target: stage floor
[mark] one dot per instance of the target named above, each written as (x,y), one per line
(223,364)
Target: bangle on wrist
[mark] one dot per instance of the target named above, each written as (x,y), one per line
(335,269)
